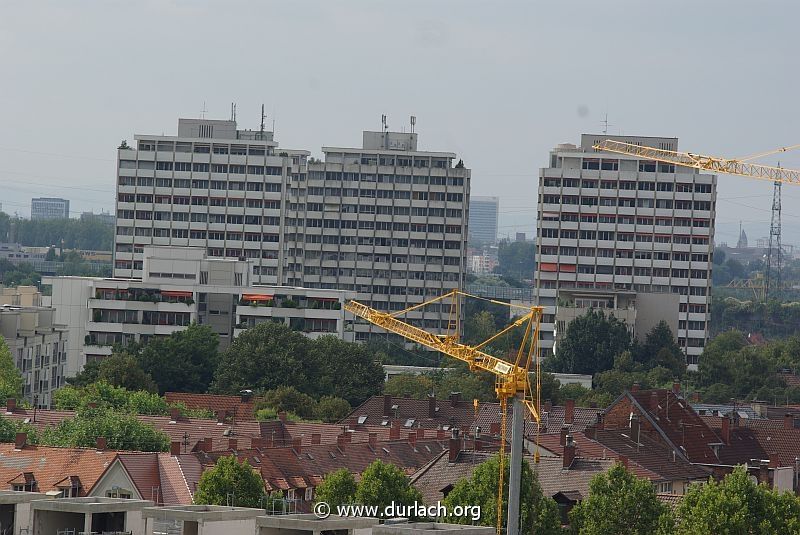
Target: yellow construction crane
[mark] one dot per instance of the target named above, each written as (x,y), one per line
(730,166)
(512,378)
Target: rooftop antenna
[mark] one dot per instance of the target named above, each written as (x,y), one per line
(203,111)
(606,124)
(262,121)
(413,123)
(385,129)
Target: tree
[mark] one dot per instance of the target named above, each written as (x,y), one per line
(409,385)
(737,505)
(337,488)
(263,357)
(122,431)
(590,344)
(384,484)
(184,361)
(619,503)
(88,375)
(538,513)
(516,259)
(343,369)
(230,482)
(661,349)
(331,409)
(288,399)
(9,429)
(122,369)
(10,377)
(479,327)
(105,395)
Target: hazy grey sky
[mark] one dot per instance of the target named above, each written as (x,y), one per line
(500,83)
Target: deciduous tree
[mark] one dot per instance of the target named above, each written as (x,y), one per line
(10,377)
(383,484)
(230,482)
(590,344)
(337,488)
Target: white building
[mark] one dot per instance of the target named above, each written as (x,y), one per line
(483,217)
(387,221)
(611,223)
(37,343)
(49,208)
(182,285)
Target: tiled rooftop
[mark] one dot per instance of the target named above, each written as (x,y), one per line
(233,405)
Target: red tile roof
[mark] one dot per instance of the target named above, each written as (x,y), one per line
(552,420)
(49,466)
(233,405)
(441,474)
(758,439)
(446,412)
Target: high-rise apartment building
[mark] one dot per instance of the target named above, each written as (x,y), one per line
(211,186)
(626,235)
(49,208)
(386,221)
(483,213)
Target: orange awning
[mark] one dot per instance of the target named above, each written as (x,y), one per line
(167,293)
(548,266)
(256,297)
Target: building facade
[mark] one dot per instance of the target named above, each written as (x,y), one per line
(180,286)
(610,223)
(37,344)
(386,221)
(483,217)
(49,208)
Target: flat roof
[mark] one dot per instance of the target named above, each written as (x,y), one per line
(310,522)
(91,504)
(18,496)
(202,513)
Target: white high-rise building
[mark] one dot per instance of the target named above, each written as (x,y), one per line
(386,220)
(49,208)
(483,216)
(629,235)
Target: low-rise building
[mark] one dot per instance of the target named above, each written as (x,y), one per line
(182,285)
(38,344)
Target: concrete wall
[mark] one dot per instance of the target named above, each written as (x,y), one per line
(652,308)
(244,527)
(70,296)
(49,522)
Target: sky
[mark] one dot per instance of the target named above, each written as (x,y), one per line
(499,83)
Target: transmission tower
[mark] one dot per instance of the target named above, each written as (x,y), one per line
(772,280)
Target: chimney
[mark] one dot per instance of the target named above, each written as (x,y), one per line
(297,445)
(373,440)
(590,432)
(635,388)
(440,434)
(341,442)
(726,430)
(20,440)
(676,387)
(564,433)
(316,438)
(601,421)
(455,448)
(394,433)
(412,439)
(696,397)
(774,461)
(11,404)
(569,452)
(221,414)
(788,421)
(455,397)
(101,443)
(353,423)
(387,404)
(208,444)
(174,448)
(256,443)
(763,472)
(282,416)
(431,406)
(653,401)
(548,405)
(174,413)
(348,437)
(623,460)
(569,412)
(494,428)
(232,444)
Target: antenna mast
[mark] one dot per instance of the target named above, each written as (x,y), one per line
(262,121)
(413,123)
